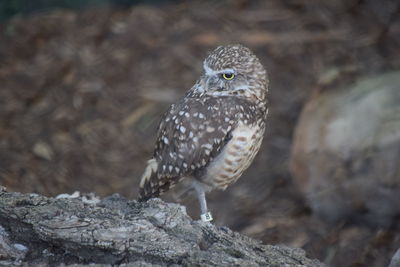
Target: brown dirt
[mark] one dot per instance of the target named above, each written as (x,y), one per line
(82,93)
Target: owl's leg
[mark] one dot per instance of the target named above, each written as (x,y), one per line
(201,196)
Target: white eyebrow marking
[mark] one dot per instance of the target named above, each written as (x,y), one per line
(227,71)
(210,72)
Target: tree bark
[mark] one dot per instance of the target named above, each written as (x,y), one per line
(36,230)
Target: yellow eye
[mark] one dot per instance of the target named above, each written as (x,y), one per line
(228,76)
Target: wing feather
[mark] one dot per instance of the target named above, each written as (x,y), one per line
(191,134)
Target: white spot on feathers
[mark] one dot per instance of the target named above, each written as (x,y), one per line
(210,129)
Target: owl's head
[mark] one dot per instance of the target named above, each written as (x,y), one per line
(233,70)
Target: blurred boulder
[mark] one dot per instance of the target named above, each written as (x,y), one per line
(346,152)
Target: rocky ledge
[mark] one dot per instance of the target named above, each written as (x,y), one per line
(78,230)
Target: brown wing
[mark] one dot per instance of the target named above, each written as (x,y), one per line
(191,134)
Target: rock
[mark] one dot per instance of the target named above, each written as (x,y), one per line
(346,152)
(395,262)
(70,231)
(8,250)
(43,150)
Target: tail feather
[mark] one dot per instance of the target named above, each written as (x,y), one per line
(148,183)
(152,183)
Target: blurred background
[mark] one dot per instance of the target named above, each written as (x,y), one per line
(83,85)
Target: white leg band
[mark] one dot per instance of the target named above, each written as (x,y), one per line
(206,217)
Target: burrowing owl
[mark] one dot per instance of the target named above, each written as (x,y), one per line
(213,133)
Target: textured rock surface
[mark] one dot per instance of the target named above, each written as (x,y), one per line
(395,262)
(41,230)
(346,153)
